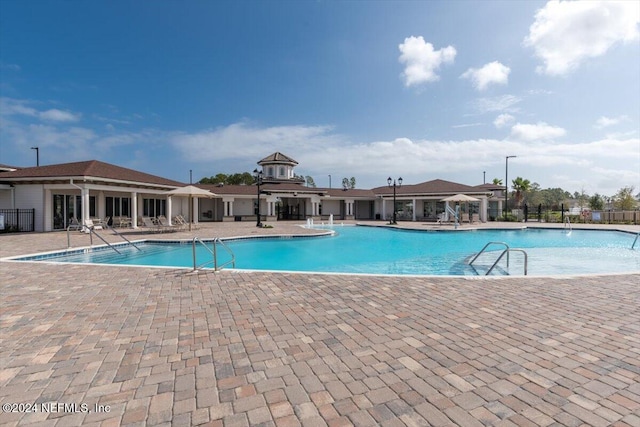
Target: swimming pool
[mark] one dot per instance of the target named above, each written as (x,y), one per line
(381,250)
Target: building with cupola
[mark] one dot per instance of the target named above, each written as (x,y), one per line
(56,195)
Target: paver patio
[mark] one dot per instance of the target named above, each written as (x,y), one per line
(166,347)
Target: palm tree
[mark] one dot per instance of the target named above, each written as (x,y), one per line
(497,181)
(521,186)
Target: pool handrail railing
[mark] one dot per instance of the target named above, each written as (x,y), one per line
(214,253)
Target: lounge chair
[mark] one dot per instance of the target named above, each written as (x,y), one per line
(74,225)
(164,222)
(150,225)
(179,219)
(88,223)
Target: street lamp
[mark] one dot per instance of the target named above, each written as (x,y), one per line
(37,155)
(392,183)
(506,184)
(258,177)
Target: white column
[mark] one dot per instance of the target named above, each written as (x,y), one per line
(414,209)
(101,208)
(484,206)
(195,208)
(384,209)
(169,210)
(134,210)
(85,204)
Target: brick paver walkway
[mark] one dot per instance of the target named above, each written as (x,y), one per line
(163,347)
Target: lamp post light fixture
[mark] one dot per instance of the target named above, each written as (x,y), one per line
(258,177)
(393,183)
(329,181)
(37,155)
(506,184)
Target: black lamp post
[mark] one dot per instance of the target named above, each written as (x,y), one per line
(258,176)
(506,185)
(392,182)
(37,155)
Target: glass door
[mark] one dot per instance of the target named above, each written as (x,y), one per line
(65,207)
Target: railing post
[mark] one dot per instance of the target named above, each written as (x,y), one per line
(193,247)
(215,255)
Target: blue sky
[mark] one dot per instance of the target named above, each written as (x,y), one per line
(369,89)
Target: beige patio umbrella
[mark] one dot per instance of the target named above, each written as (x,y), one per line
(460,198)
(191,191)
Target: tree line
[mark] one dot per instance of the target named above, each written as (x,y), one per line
(247,178)
(525,192)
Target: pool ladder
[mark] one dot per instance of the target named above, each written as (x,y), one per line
(506,252)
(635,240)
(214,252)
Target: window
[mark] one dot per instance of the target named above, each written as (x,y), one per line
(154,207)
(118,206)
(270,172)
(281,170)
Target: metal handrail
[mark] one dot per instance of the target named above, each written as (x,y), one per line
(567,221)
(124,238)
(214,253)
(486,246)
(635,240)
(92,232)
(506,251)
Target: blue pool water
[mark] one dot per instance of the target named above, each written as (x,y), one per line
(379,250)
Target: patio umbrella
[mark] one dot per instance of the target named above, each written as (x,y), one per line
(190,191)
(460,198)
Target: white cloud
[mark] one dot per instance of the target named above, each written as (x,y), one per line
(320,151)
(55,115)
(503,120)
(422,61)
(10,106)
(539,131)
(565,33)
(491,73)
(467,125)
(256,142)
(12,67)
(20,107)
(604,122)
(504,103)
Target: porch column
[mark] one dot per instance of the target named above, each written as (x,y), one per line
(414,209)
(85,205)
(101,208)
(134,210)
(47,224)
(484,206)
(384,209)
(169,210)
(227,209)
(195,211)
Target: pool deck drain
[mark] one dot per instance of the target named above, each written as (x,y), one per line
(162,347)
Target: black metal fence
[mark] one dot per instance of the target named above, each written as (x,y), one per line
(17,220)
(541,214)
